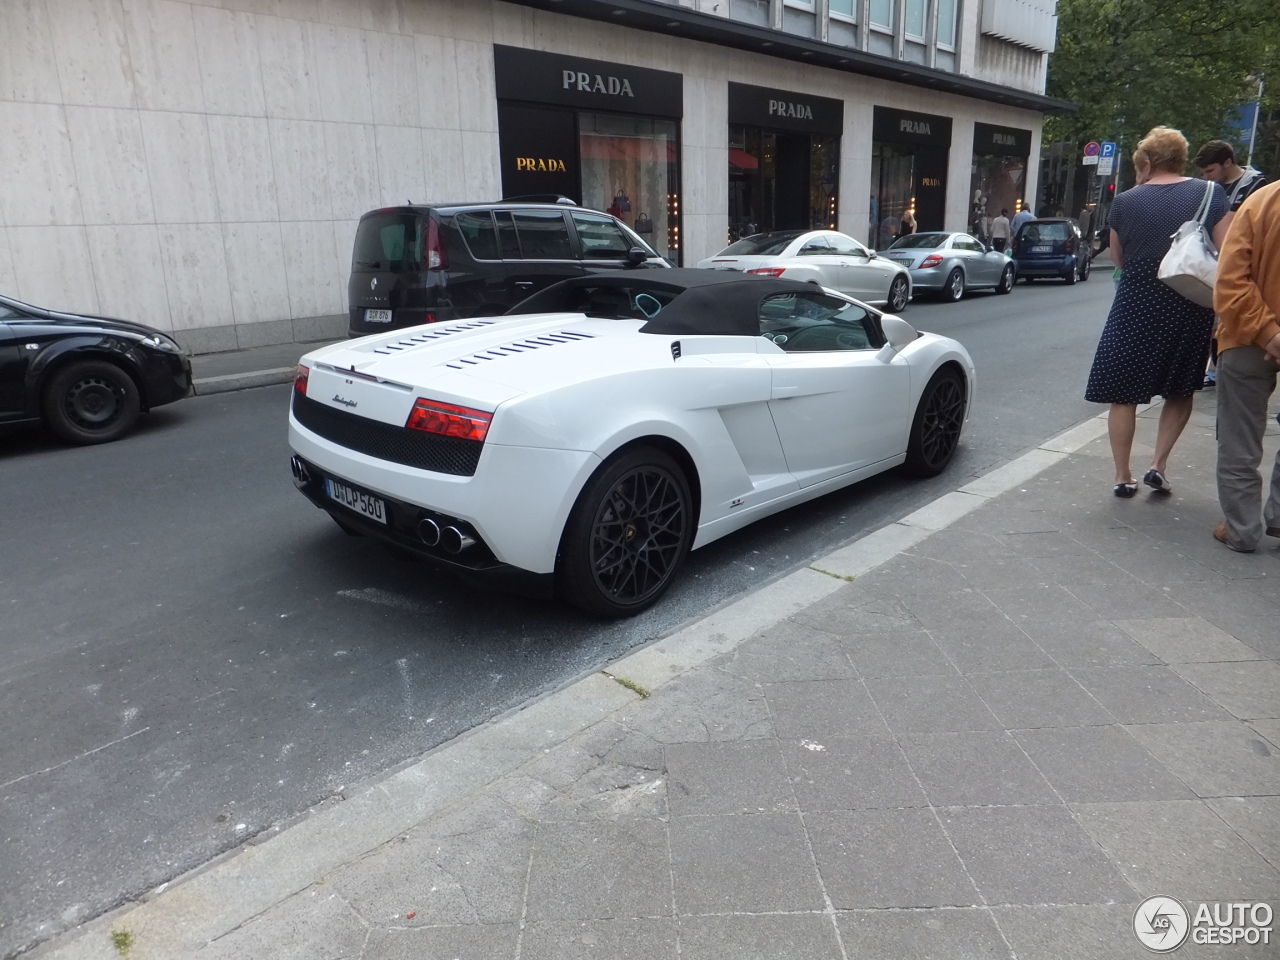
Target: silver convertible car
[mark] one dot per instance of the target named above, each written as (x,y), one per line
(948,264)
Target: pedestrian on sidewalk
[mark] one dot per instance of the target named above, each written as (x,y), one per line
(1000,230)
(1217,162)
(1156,341)
(1247,298)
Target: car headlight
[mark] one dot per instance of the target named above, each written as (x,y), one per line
(160,342)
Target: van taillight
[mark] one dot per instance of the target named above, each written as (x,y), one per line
(436,260)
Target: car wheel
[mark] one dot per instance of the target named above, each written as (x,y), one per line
(954,288)
(899,294)
(90,401)
(1085,269)
(627,535)
(935,431)
(1006,280)
(1073,274)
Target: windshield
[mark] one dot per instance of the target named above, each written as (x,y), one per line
(761,245)
(389,241)
(920,241)
(1037,232)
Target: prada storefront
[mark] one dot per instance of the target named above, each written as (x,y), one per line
(909,157)
(784,158)
(605,135)
(999,178)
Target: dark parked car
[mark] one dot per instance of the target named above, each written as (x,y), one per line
(87,377)
(423,264)
(1052,248)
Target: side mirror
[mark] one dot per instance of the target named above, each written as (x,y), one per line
(636,257)
(897,331)
(871,254)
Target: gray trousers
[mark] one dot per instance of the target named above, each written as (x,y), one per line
(1246,380)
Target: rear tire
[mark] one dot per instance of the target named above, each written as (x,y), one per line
(1086,270)
(953,290)
(90,401)
(1073,274)
(935,431)
(627,534)
(899,294)
(1006,280)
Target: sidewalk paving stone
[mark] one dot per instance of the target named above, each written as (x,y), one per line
(963,934)
(1033,855)
(1219,758)
(1147,694)
(975,767)
(1023,699)
(1098,764)
(1087,643)
(1249,690)
(1187,640)
(1179,845)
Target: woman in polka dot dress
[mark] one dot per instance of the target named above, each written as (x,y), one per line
(1156,341)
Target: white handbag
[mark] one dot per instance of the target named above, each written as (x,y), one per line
(1191,265)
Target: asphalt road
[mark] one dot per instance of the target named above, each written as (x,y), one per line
(191,652)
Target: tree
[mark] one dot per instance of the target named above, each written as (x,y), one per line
(1131,65)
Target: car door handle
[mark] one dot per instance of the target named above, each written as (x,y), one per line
(524,283)
(781,393)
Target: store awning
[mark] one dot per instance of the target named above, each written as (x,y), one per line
(742,160)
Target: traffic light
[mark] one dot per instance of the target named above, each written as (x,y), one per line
(1111,191)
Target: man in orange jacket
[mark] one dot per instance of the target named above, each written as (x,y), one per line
(1247,300)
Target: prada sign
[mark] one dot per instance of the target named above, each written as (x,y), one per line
(531,76)
(785,110)
(898,126)
(991,141)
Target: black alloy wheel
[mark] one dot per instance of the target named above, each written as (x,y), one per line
(627,535)
(954,288)
(91,401)
(1006,280)
(899,294)
(935,432)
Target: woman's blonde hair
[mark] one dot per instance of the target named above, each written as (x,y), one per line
(1166,150)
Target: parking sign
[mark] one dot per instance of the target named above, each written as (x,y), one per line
(1108,149)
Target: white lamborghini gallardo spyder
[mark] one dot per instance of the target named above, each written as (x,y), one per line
(584,443)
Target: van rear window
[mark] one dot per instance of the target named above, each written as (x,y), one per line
(391,241)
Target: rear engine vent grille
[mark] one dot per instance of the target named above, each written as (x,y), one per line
(517,347)
(386,441)
(408,343)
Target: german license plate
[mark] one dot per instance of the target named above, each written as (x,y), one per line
(905,263)
(357,500)
(1044,248)
(377,316)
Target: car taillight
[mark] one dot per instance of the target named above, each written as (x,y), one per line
(932,260)
(449,420)
(300,377)
(768,271)
(1071,245)
(436,260)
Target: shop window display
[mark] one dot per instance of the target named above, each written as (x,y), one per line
(997,184)
(630,168)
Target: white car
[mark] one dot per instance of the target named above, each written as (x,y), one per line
(585,445)
(824,257)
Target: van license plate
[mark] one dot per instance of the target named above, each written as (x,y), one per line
(360,502)
(377,316)
(1048,248)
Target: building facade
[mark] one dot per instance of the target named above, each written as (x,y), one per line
(200,165)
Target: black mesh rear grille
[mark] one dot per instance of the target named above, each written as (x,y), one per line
(413,448)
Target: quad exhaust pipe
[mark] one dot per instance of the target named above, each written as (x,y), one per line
(454,540)
(450,539)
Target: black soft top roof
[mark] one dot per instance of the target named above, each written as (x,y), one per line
(713,302)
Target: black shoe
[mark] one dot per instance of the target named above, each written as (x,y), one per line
(1155,479)
(1125,490)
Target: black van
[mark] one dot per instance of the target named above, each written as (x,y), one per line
(423,264)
